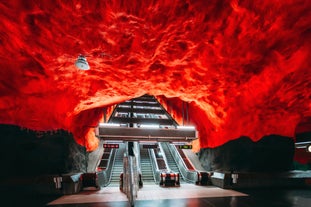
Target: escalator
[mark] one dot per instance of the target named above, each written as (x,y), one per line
(117,168)
(146,166)
(169,157)
(178,162)
(141,119)
(194,159)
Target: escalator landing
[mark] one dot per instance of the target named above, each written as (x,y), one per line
(151,193)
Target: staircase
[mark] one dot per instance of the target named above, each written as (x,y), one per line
(117,166)
(145,166)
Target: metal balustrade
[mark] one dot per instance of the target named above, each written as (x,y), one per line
(129,184)
(155,167)
(105,175)
(189,176)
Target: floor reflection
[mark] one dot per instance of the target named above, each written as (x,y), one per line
(256,198)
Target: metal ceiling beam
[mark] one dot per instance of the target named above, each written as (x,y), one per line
(124,120)
(145,111)
(140,104)
(146,134)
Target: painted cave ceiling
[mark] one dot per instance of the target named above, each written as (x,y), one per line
(242,66)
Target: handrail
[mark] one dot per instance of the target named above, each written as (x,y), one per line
(155,169)
(105,175)
(138,156)
(130,178)
(164,156)
(190,176)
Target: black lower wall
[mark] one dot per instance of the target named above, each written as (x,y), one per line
(30,153)
(271,153)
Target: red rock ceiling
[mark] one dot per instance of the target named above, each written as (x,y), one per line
(243,66)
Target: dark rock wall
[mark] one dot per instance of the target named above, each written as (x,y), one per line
(26,152)
(30,153)
(271,153)
(77,160)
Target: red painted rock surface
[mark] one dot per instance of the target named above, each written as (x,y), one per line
(243,66)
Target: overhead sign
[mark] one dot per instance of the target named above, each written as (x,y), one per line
(111,145)
(150,146)
(186,146)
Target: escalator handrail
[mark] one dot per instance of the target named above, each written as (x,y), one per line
(110,172)
(155,169)
(188,175)
(164,156)
(107,172)
(173,150)
(114,160)
(138,157)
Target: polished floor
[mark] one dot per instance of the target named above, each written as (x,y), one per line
(155,196)
(188,195)
(151,193)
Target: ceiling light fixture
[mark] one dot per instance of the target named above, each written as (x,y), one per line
(81,63)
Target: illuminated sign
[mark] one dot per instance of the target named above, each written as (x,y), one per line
(150,146)
(111,145)
(185,146)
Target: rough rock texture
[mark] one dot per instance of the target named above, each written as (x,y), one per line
(243,66)
(271,153)
(31,153)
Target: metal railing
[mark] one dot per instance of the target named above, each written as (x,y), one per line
(155,168)
(105,175)
(138,156)
(130,179)
(164,156)
(190,176)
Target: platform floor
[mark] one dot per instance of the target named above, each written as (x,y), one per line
(188,195)
(155,196)
(147,193)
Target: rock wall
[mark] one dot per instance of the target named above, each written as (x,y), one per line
(31,153)
(271,153)
(26,152)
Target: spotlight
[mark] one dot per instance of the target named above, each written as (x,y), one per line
(81,63)
(309,148)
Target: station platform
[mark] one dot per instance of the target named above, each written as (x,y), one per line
(152,193)
(187,195)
